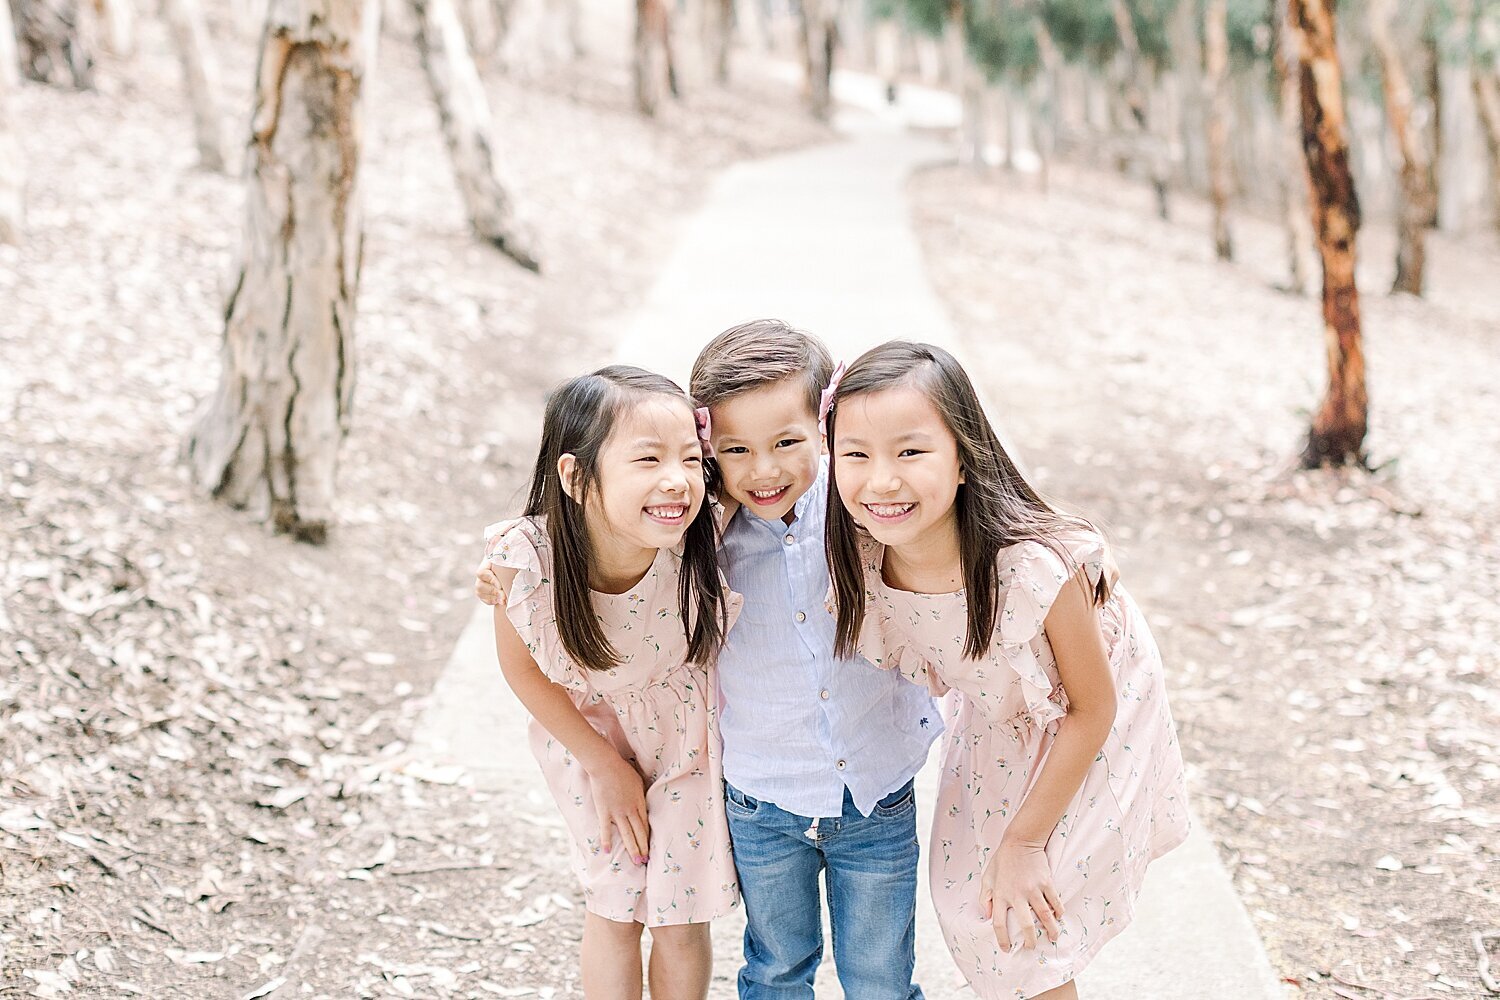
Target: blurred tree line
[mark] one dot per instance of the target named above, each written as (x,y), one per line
(1296,103)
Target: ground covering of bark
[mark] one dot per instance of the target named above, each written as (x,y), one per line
(204,785)
(1331,635)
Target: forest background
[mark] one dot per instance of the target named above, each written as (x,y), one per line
(282,287)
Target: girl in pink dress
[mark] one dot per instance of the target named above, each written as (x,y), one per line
(613,611)
(1062,778)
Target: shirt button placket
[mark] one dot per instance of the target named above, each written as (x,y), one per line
(802,616)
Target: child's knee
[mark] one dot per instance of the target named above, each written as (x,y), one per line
(615,930)
(680,937)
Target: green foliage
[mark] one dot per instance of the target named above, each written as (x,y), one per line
(1249,26)
(926,16)
(1152,20)
(1002,39)
(1084,30)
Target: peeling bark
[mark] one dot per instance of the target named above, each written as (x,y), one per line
(1416,195)
(53,42)
(200,77)
(269,436)
(1216,69)
(469,131)
(1338,429)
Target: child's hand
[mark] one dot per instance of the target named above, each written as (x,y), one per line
(620,803)
(1017,879)
(487,584)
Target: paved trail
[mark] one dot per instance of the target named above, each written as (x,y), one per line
(821,238)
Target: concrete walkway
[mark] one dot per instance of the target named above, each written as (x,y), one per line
(821,239)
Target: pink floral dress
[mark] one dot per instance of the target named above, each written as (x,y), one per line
(658,710)
(1002,718)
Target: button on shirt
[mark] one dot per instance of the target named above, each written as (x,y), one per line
(800,726)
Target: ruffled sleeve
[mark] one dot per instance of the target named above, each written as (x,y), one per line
(880,641)
(522,545)
(1031,576)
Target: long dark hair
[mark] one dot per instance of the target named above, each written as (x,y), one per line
(581,414)
(996,507)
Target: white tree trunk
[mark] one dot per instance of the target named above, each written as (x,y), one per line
(1215,85)
(469,130)
(268,438)
(482,23)
(12,164)
(819,38)
(200,77)
(116,26)
(653,68)
(719,38)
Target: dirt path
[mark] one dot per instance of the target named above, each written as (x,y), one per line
(1332,635)
(204,784)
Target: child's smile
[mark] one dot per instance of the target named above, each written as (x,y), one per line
(767,445)
(897,467)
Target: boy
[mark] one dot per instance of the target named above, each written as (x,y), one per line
(819,753)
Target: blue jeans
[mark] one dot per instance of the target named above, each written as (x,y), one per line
(872,897)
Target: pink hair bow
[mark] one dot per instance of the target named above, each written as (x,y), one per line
(705,429)
(825,403)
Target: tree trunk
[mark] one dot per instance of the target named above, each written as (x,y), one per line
(653,69)
(200,76)
(116,19)
(1432,63)
(1045,116)
(964,77)
(482,26)
(52,37)
(1293,181)
(1216,68)
(720,38)
(268,438)
(1338,430)
(1137,101)
(1486,84)
(1416,196)
(469,131)
(819,38)
(12,164)
(1192,133)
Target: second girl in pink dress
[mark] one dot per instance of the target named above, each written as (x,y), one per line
(1062,777)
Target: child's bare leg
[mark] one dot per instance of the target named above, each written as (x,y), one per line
(611,959)
(681,962)
(1067,991)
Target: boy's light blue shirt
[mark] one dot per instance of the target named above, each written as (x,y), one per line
(799,725)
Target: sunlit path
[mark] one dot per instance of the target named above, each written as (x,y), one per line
(822,239)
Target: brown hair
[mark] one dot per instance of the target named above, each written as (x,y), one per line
(751,355)
(581,414)
(759,353)
(996,507)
